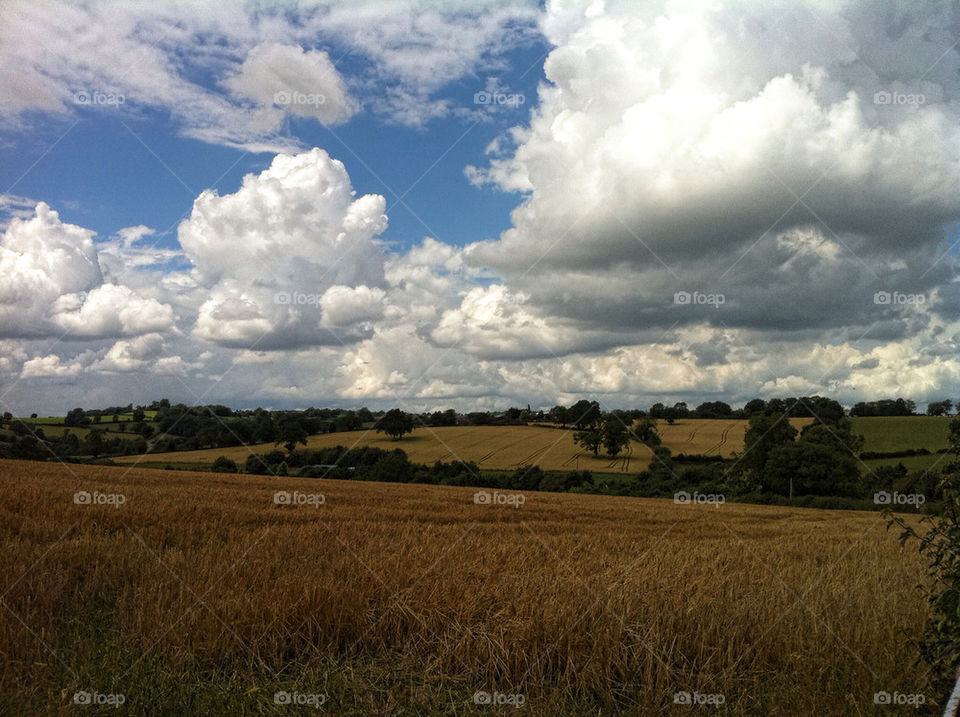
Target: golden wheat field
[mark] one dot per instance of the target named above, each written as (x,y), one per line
(506,447)
(188,593)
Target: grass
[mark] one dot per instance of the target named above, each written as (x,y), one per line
(936,461)
(201,595)
(900,433)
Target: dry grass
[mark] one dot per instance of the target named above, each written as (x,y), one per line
(506,447)
(201,595)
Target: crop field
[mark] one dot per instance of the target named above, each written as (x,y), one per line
(506,447)
(490,447)
(200,592)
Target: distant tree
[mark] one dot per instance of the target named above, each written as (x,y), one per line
(559,414)
(291,433)
(940,408)
(754,407)
(658,410)
(7,416)
(94,442)
(590,440)
(395,423)
(954,436)
(223,465)
(139,414)
(646,431)
(585,414)
(614,435)
(33,415)
(764,433)
(76,417)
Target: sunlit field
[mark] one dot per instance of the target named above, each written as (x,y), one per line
(506,447)
(191,592)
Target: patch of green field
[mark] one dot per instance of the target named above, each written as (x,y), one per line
(900,433)
(912,463)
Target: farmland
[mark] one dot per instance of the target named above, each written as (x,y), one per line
(200,593)
(506,447)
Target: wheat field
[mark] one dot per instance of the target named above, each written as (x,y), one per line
(506,447)
(199,592)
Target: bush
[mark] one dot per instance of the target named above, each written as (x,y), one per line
(223,465)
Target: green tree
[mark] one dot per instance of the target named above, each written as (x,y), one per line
(395,423)
(589,440)
(614,435)
(764,433)
(291,433)
(223,465)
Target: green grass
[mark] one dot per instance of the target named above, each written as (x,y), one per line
(900,433)
(913,463)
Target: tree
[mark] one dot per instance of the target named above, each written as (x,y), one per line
(585,414)
(291,433)
(646,431)
(614,435)
(764,433)
(940,408)
(139,414)
(589,440)
(754,407)
(76,417)
(395,423)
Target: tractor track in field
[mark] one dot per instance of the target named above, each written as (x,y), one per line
(723,440)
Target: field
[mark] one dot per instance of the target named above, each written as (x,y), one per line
(505,447)
(899,433)
(201,594)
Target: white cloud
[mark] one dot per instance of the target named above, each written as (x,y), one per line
(271,252)
(50,366)
(301,83)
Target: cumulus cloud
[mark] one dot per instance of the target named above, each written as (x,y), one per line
(288,256)
(733,149)
(51,284)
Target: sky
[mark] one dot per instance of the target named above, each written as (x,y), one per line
(477,204)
